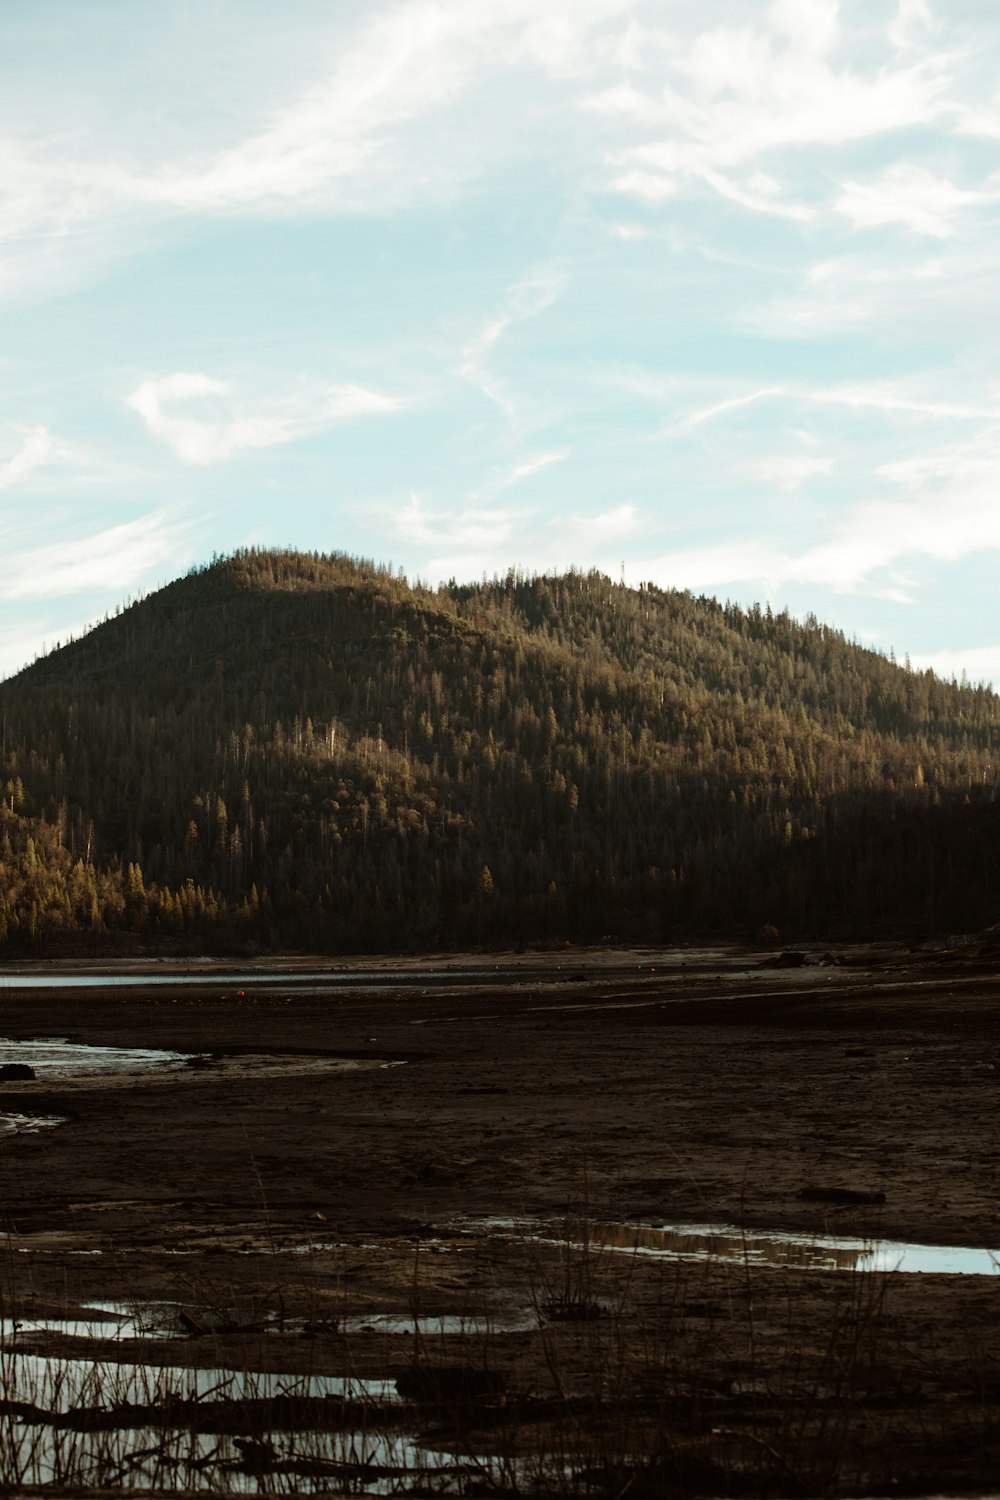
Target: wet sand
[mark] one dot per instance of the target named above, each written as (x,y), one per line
(333,1153)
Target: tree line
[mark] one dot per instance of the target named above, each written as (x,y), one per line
(303,750)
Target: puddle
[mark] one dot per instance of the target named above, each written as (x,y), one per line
(55,1384)
(115,1321)
(316,981)
(729,1243)
(62,1059)
(297,1428)
(250,980)
(15,1124)
(108,1320)
(442,1325)
(10,980)
(290,1462)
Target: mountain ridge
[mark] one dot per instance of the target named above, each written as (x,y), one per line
(302,749)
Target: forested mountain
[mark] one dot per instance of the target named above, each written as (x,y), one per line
(304,751)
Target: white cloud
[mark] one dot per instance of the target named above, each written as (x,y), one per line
(907,194)
(736,94)
(906,299)
(980,663)
(791,471)
(468,541)
(202,422)
(759,195)
(423,98)
(36,447)
(911,401)
(980,119)
(471,529)
(529,466)
(947,512)
(527,298)
(705,414)
(593,533)
(112,560)
(397,105)
(911,23)
(892,397)
(506,479)
(348,140)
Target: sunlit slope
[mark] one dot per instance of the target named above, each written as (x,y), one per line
(304,749)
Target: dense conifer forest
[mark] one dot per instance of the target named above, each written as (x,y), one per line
(303,751)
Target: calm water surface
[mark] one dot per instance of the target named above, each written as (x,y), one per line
(757,1247)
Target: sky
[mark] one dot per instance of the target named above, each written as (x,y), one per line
(707,295)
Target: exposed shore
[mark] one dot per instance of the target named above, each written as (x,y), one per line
(331,1146)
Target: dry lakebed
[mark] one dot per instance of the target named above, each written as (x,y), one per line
(663,1222)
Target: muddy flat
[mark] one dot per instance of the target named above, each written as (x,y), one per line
(383,1167)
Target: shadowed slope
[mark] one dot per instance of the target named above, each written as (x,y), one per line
(305,749)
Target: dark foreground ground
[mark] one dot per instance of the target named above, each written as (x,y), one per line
(290,1186)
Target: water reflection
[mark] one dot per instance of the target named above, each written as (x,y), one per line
(814,1253)
(441,1325)
(247,981)
(59,1058)
(87,1423)
(12,1123)
(55,1384)
(757,1247)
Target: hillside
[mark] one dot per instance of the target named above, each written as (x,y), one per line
(304,751)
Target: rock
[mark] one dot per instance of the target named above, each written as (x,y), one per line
(16,1070)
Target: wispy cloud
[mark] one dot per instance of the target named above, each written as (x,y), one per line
(792,470)
(847,296)
(732,96)
(893,397)
(902,398)
(34,448)
(703,414)
(866,548)
(393,107)
(526,299)
(112,560)
(203,422)
(465,541)
(911,24)
(469,529)
(593,534)
(979,663)
(34,459)
(908,194)
(400,107)
(349,139)
(533,465)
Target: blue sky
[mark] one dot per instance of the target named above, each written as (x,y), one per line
(710,292)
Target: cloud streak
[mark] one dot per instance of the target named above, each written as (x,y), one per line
(526,299)
(112,560)
(979,663)
(35,449)
(202,422)
(908,194)
(733,96)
